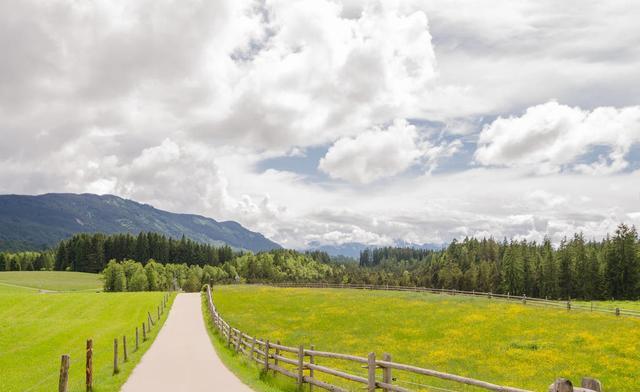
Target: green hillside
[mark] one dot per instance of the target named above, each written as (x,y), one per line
(39,222)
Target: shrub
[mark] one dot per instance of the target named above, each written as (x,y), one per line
(139,281)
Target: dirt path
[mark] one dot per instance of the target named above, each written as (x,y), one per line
(182,357)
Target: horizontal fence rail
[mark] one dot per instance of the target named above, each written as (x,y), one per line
(303,366)
(569,305)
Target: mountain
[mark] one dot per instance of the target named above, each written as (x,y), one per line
(353,249)
(40,222)
(348,249)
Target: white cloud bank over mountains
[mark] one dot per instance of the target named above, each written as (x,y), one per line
(439,119)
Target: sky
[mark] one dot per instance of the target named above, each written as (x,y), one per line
(328,122)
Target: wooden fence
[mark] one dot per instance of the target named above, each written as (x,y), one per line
(63,380)
(301,364)
(569,305)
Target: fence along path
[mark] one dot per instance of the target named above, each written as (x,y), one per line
(302,364)
(569,305)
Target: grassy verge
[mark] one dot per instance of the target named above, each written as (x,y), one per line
(247,371)
(52,280)
(499,342)
(36,329)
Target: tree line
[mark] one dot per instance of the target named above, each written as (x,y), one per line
(276,266)
(92,252)
(577,268)
(26,261)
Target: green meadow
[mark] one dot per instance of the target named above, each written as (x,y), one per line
(36,328)
(51,280)
(612,305)
(494,341)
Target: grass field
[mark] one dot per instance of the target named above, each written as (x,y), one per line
(52,280)
(629,305)
(37,328)
(494,341)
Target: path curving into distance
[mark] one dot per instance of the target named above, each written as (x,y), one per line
(182,357)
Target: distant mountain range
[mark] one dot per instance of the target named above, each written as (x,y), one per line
(40,222)
(353,249)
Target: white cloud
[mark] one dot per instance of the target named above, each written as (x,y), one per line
(373,154)
(319,76)
(380,153)
(551,136)
(176,106)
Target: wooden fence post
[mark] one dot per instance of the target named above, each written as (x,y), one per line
(64,373)
(386,371)
(569,305)
(158,312)
(266,356)
(115,356)
(275,358)
(561,385)
(312,360)
(89,366)
(137,339)
(144,332)
(253,348)
(150,320)
(617,311)
(591,383)
(229,330)
(300,366)
(371,386)
(124,348)
(524,299)
(238,339)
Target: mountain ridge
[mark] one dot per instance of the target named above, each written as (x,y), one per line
(36,222)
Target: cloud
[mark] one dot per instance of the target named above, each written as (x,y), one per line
(517,54)
(310,81)
(266,75)
(176,106)
(381,153)
(373,154)
(550,137)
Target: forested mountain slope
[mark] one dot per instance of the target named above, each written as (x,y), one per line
(39,222)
